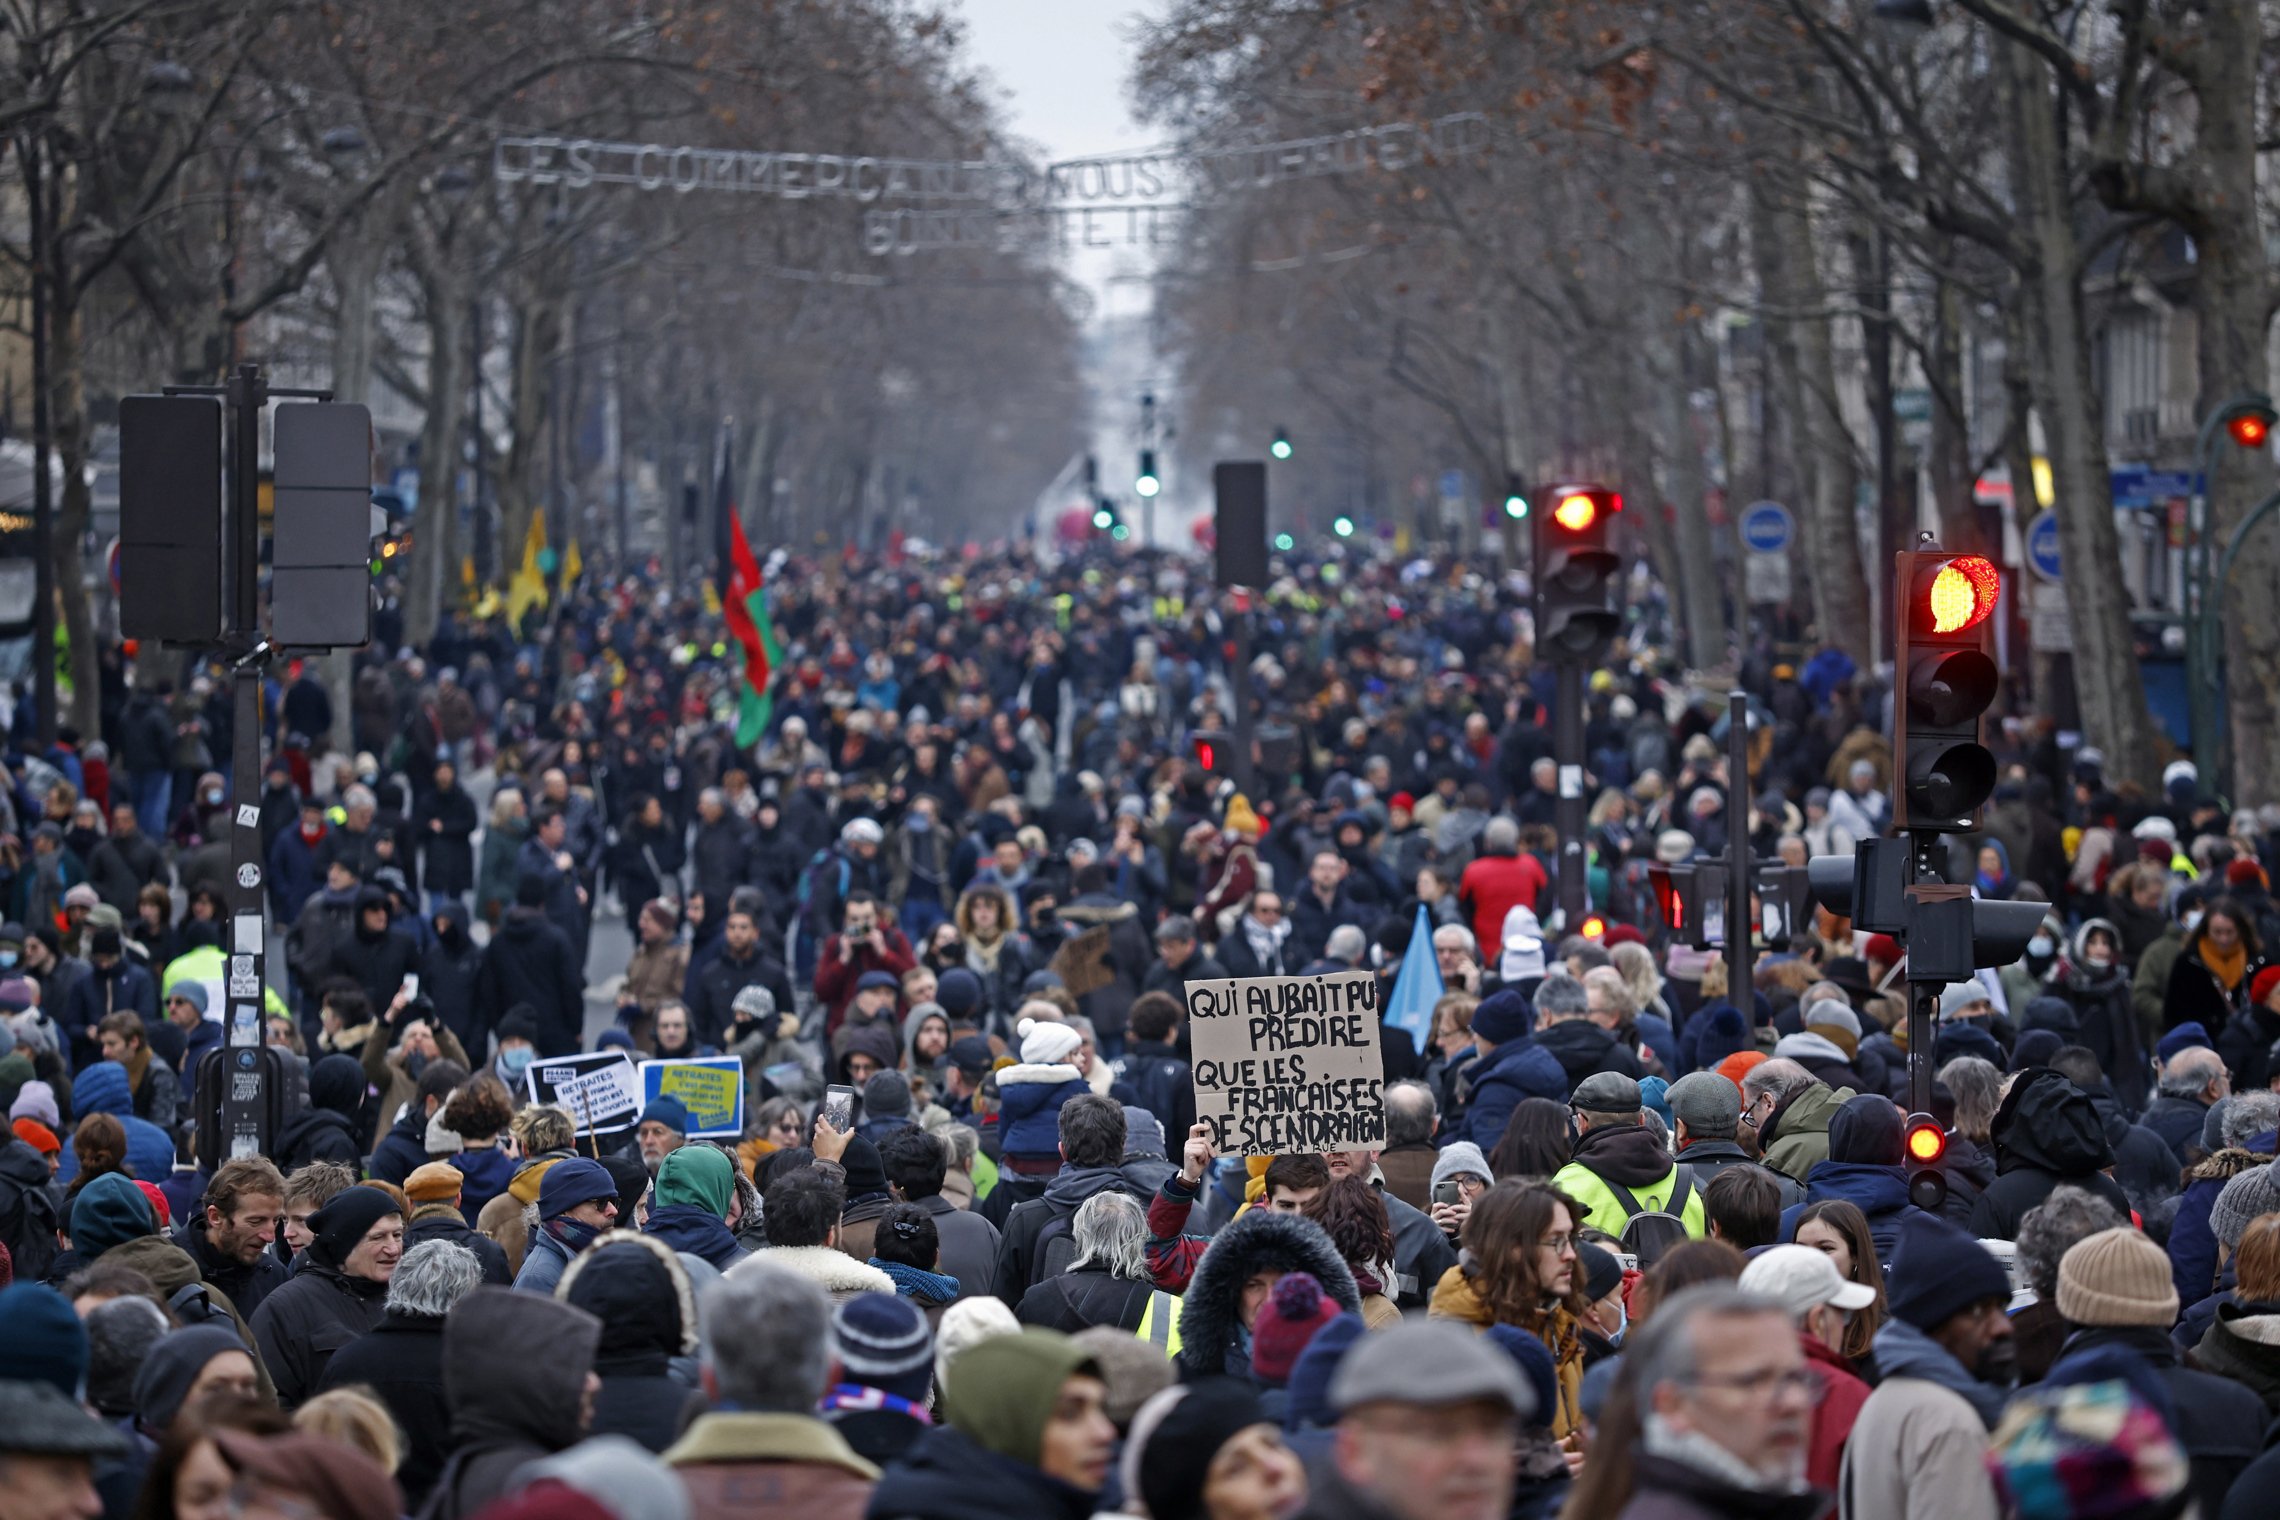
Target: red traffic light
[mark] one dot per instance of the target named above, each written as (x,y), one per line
(1595,927)
(1668,898)
(2250,429)
(1206,755)
(1578,511)
(1957,595)
(1926,1142)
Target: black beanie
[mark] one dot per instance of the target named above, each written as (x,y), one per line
(342,1223)
(1177,1455)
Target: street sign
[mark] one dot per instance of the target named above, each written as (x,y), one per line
(2144,487)
(1452,485)
(2050,628)
(1767,527)
(2042,545)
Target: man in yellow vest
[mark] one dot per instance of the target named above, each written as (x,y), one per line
(1621,1168)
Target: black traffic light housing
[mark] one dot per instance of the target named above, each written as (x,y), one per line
(1214,751)
(1692,899)
(1926,1147)
(170,518)
(320,582)
(1944,605)
(1577,570)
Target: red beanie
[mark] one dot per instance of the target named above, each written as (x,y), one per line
(2244,872)
(1737,1066)
(1401,802)
(1287,1321)
(1622,934)
(2261,987)
(38,1136)
(158,1206)
(1884,949)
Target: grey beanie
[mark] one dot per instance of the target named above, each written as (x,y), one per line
(2246,1199)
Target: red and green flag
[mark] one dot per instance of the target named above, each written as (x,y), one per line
(745,605)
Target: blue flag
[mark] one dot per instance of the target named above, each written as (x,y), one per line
(1418,987)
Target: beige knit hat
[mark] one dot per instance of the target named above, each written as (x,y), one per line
(2116,1277)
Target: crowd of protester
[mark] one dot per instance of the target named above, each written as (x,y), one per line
(1637,1243)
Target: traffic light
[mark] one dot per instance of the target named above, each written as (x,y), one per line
(1945,603)
(1149,482)
(1280,448)
(1515,499)
(1104,516)
(1690,896)
(1926,1145)
(170,518)
(1576,570)
(320,584)
(1342,525)
(2250,421)
(1214,751)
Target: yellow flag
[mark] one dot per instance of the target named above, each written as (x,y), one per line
(528,586)
(573,565)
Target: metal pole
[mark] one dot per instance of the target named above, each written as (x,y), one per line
(244,1110)
(43,446)
(1239,681)
(2210,625)
(1741,929)
(1568,811)
(486,562)
(1923,1004)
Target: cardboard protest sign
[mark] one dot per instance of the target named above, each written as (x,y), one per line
(710,1087)
(1287,1064)
(601,1089)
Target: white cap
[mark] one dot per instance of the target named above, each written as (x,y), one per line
(1802,1279)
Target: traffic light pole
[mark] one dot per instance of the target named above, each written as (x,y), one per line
(1741,868)
(1239,683)
(1569,811)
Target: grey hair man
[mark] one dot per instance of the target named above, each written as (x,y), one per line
(401,1358)
(1412,1118)
(768,1356)
(2192,1082)
(1427,1420)
(1725,1399)
(1108,1282)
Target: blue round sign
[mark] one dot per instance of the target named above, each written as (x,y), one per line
(2042,545)
(1767,527)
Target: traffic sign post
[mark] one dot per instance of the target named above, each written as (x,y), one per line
(2042,545)
(1767,527)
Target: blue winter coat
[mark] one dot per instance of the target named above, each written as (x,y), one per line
(1497,1083)
(1029,1107)
(102,1089)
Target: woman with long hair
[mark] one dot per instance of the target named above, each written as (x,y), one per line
(100,1143)
(1519,1268)
(1536,1142)
(1353,1215)
(1841,1230)
(996,949)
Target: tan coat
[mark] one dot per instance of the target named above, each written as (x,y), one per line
(739,1465)
(395,1083)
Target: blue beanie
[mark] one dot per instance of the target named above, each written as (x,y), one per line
(1940,1271)
(1308,1392)
(41,1338)
(1868,1131)
(885,1343)
(1723,1033)
(2184,1037)
(1503,1015)
(1535,1365)
(959,991)
(571,1182)
(1966,1039)
(1654,1093)
(667,1110)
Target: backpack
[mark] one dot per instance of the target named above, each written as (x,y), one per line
(28,1223)
(1648,1233)
(1056,1248)
(814,901)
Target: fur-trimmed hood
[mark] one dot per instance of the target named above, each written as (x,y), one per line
(828,1267)
(1257,1240)
(1037,1076)
(639,1317)
(2224,1166)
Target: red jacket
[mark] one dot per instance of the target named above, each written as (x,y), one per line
(1493,886)
(836,973)
(1842,1394)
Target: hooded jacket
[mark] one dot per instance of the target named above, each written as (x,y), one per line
(1211,1333)
(2105,1018)
(1016,1268)
(2046,1132)
(1493,1086)
(2192,1244)
(640,1292)
(102,1089)
(1582,1047)
(514,1376)
(401,1360)
(530,961)
(1919,1446)
(377,961)
(1797,1134)
(1029,1106)
(449,969)
(327,1129)
(2243,1343)
(1632,1156)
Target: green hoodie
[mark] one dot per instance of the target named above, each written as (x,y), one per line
(1802,1136)
(1001,1391)
(696,1174)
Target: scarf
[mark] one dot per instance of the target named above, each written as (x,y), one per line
(982,954)
(693,1228)
(570,1234)
(1697,1452)
(1266,940)
(857,1398)
(914,1282)
(2227,969)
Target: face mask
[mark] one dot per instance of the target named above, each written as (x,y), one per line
(2192,920)
(2040,947)
(516,1061)
(7,959)
(1622,1323)
(2098,959)
(213,796)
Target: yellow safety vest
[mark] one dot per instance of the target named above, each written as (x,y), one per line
(1160,1322)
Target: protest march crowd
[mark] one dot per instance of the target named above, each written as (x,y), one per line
(972,1231)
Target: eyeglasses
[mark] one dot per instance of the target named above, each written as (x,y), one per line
(1558,1245)
(1757,1385)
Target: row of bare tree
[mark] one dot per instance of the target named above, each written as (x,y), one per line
(1709,244)
(308,184)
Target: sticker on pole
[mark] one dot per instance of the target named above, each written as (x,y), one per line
(245,982)
(249,876)
(711,1088)
(1289,1063)
(249,816)
(601,1089)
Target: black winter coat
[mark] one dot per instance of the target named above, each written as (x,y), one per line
(301,1325)
(1582,1047)
(1077,1301)
(447,853)
(720,860)
(641,1295)
(401,1360)
(319,1134)
(2220,1423)
(449,971)
(244,1286)
(2046,1132)
(402,1151)
(443,1222)
(378,963)
(947,1477)
(716,987)
(2196,996)
(2246,1042)
(529,961)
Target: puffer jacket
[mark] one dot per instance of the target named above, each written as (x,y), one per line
(1029,1107)
(514,1376)
(1213,1340)
(2046,1132)
(101,1088)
